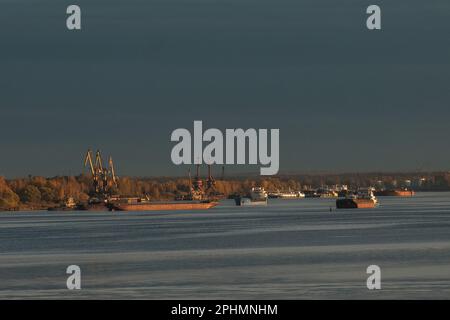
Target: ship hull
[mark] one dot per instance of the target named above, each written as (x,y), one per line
(93,207)
(394,193)
(355,203)
(163,206)
(62,209)
(250,202)
(285,196)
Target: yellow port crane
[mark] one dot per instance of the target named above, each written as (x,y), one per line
(88,160)
(99,162)
(102,172)
(101,175)
(112,171)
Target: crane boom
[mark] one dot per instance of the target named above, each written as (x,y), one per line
(88,159)
(113,172)
(98,161)
(103,175)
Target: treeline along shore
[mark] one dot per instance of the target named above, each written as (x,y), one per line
(38,193)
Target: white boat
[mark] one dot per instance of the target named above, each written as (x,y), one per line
(258,197)
(286,195)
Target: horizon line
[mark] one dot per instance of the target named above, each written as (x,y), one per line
(257,175)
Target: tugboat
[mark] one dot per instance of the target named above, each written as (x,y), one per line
(361,200)
(257,197)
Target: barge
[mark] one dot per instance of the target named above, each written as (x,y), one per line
(363,199)
(395,193)
(161,205)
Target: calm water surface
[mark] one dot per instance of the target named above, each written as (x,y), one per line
(291,249)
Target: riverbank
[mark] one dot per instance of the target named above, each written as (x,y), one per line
(40,193)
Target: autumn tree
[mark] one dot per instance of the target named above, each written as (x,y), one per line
(30,194)
(8,198)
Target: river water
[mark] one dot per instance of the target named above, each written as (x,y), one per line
(291,249)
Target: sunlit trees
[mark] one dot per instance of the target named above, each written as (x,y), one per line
(8,198)
(30,194)
(41,192)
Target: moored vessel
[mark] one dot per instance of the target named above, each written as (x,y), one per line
(257,197)
(363,199)
(93,206)
(145,205)
(324,193)
(395,193)
(311,194)
(286,195)
(69,205)
(354,203)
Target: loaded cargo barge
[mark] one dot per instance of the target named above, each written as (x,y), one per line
(349,203)
(363,199)
(395,193)
(161,206)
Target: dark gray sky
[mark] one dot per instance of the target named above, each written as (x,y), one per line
(344,98)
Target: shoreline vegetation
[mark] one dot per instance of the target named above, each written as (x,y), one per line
(41,193)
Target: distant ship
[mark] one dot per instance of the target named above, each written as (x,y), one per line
(69,205)
(362,200)
(328,194)
(395,193)
(257,196)
(145,205)
(94,204)
(286,195)
(311,194)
